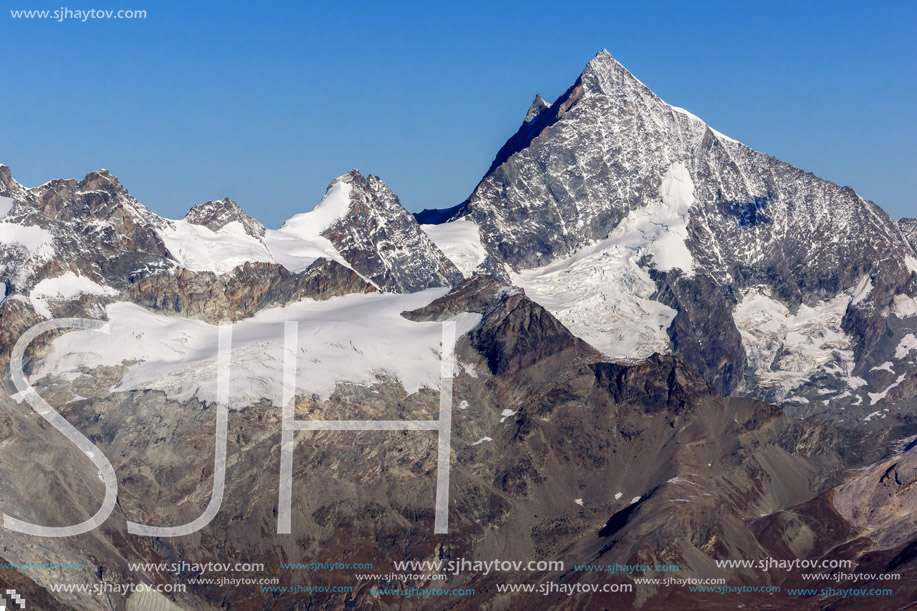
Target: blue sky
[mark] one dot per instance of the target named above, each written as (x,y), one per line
(267,102)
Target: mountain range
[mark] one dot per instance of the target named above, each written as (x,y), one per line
(673,349)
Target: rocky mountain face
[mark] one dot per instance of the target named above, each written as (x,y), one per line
(757,261)
(95,230)
(909,229)
(244,291)
(384,242)
(216,215)
(92,228)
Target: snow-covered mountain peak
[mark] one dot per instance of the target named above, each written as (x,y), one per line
(366,222)
(638,210)
(369,191)
(333,207)
(217,214)
(102,180)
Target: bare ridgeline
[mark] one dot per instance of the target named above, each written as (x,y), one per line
(670,351)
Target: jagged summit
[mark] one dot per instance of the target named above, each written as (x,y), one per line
(603,77)
(383,240)
(605,74)
(536,108)
(217,214)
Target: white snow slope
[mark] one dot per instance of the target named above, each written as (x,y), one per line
(354,338)
(460,241)
(602,294)
(296,245)
(64,287)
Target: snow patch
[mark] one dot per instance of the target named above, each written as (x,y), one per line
(6,204)
(911,263)
(904,306)
(460,241)
(481,440)
(333,207)
(199,248)
(680,479)
(296,252)
(296,245)
(37,241)
(862,290)
(578,502)
(634,500)
(907,344)
(875,397)
(665,227)
(618,496)
(886,366)
(507,413)
(603,295)
(66,286)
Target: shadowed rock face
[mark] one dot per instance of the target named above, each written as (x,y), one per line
(608,433)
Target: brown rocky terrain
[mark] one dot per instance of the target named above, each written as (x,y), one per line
(666,470)
(244,291)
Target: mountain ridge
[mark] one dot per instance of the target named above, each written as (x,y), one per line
(638,225)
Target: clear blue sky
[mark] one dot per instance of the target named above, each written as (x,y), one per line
(267,102)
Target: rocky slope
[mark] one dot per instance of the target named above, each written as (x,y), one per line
(384,242)
(556,455)
(909,229)
(244,291)
(217,215)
